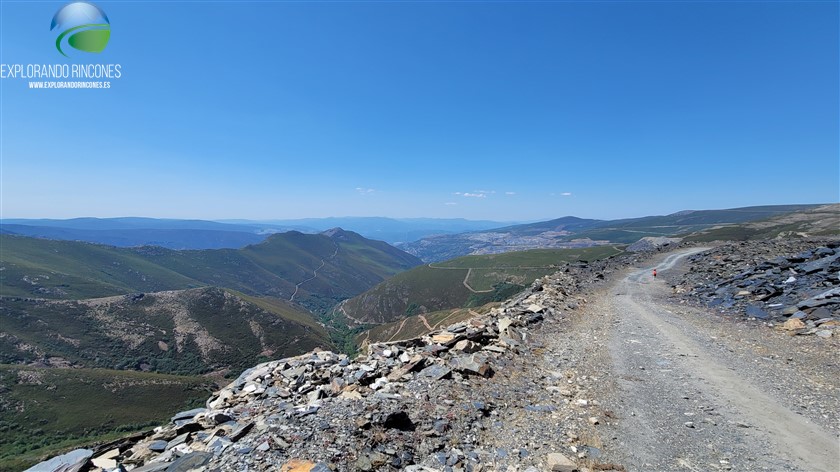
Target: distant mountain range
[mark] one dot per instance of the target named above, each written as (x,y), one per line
(233,234)
(391,230)
(430,239)
(569,232)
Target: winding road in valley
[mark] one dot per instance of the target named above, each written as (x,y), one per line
(314,273)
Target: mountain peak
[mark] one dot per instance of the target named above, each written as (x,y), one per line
(336,233)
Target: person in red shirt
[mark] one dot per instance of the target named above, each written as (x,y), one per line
(654,273)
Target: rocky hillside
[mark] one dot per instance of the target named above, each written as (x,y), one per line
(178,332)
(822,221)
(792,282)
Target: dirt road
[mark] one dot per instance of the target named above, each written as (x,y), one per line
(690,398)
(639,381)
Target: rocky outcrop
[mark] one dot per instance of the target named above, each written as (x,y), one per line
(653,243)
(794,284)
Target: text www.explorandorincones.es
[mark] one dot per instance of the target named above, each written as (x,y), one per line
(69,85)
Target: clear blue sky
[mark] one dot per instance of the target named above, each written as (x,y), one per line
(279,110)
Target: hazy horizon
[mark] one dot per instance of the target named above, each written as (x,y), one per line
(278,219)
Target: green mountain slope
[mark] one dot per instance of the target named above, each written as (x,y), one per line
(43,411)
(281,266)
(468,281)
(72,270)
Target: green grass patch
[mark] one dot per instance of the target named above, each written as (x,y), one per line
(45,410)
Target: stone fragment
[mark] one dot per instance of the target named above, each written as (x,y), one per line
(297,465)
(73,461)
(217,417)
(557,462)
(187,416)
(435,372)
(494,348)
(241,429)
(379,383)
(755,311)
(158,446)
(793,324)
(466,346)
(534,308)
(444,338)
(153,467)
(190,462)
(472,364)
(413,365)
(106,460)
(180,439)
(350,395)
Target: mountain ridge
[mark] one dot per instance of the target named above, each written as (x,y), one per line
(571,231)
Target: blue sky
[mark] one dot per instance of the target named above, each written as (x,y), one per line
(483,110)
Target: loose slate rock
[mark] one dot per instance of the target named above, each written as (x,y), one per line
(559,463)
(158,446)
(755,311)
(473,364)
(187,415)
(436,372)
(191,461)
(73,461)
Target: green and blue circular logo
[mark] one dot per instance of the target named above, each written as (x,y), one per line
(84,26)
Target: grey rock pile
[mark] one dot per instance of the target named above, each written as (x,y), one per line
(794,283)
(409,405)
(653,243)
